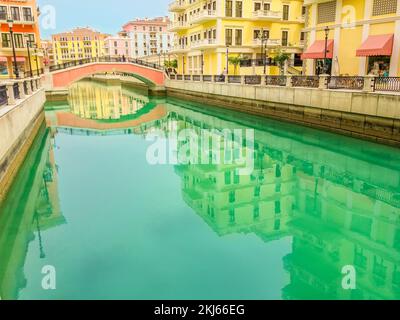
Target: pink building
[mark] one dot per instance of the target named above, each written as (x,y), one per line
(149,36)
(118,46)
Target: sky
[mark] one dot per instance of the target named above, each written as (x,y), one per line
(105,16)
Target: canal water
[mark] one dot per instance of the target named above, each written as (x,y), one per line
(317,218)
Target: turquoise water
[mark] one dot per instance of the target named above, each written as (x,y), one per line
(88,202)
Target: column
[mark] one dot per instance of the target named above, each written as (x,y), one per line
(21,88)
(394,62)
(10,93)
(310,64)
(219,63)
(367,14)
(336,37)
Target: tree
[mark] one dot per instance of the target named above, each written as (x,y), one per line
(235,61)
(280,58)
(173,64)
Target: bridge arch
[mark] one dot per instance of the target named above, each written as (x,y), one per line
(62,79)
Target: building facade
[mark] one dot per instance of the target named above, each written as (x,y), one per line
(80,43)
(363,37)
(48,54)
(20,17)
(118,46)
(149,36)
(210,31)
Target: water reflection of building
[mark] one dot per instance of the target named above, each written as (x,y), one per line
(340,207)
(32,209)
(105,101)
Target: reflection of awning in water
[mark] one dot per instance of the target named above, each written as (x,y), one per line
(317,50)
(380,45)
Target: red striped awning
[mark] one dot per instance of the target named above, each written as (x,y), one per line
(20,59)
(3,59)
(380,45)
(317,50)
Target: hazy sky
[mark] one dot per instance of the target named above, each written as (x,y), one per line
(103,15)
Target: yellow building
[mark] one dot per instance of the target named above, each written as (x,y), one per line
(207,31)
(80,43)
(363,36)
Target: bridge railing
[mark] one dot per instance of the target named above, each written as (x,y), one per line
(76,63)
(16,89)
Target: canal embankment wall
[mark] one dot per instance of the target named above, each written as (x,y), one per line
(20,121)
(367,115)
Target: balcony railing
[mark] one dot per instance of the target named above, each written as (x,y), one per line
(178,5)
(270,42)
(267,14)
(356,83)
(204,15)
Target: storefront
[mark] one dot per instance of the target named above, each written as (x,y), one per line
(322,54)
(3,67)
(378,51)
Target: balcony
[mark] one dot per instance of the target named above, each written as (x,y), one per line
(179,48)
(270,43)
(204,44)
(177,6)
(178,26)
(267,15)
(24,20)
(204,16)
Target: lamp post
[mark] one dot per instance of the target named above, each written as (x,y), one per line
(326,49)
(10,25)
(36,59)
(202,62)
(28,44)
(227,60)
(264,37)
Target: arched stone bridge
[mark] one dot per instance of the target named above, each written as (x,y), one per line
(62,76)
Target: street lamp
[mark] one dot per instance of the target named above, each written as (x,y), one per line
(326,49)
(28,44)
(227,59)
(36,59)
(202,62)
(264,37)
(10,25)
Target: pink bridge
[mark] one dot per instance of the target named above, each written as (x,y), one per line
(61,79)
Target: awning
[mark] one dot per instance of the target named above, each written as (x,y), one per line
(20,59)
(317,50)
(3,59)
(380,45)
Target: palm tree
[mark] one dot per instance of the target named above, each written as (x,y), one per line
(235,61)
(280,58)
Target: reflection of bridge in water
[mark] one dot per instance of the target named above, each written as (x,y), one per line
(99,109)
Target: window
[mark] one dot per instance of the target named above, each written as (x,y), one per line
(228,37)
(239,9)
(227,177)
(15,13)
(228,8)
(382,7)
(326,12)
(31,39)
(257,6)
(3,13)
(5,39)
(238,38)
(19,40)
(232,196)
(285,12)
(267,6)
(27,13)
(285,36)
